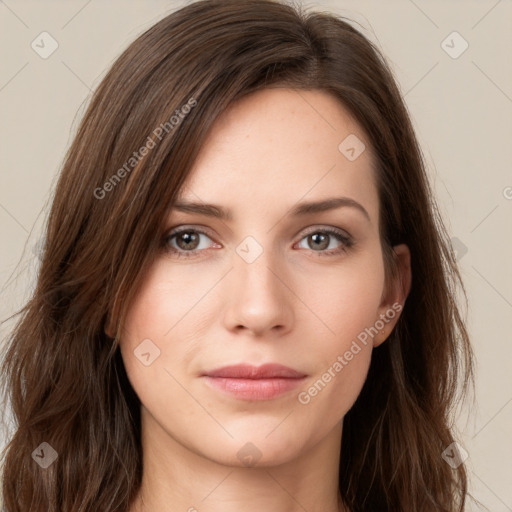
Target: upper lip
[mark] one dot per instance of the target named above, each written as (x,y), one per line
(248,371)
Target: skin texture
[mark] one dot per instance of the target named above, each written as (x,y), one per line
(291,305)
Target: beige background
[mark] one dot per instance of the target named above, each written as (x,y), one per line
(461,108)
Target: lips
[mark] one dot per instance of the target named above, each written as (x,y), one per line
(247,382)
(247,371)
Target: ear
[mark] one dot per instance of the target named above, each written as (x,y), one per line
(109,330)
(393,298)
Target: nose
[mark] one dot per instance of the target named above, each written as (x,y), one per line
(259,297)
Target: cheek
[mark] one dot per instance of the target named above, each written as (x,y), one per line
(345,297)
(163,327)
(166,306)
(347,306)
(149,319)
(331,392)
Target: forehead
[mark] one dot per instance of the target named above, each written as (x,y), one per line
(279,146)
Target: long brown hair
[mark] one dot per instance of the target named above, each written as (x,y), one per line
(64,377)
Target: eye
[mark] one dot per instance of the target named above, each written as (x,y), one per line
(319,240)
(186,243)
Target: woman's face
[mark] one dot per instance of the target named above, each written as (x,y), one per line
(270,282)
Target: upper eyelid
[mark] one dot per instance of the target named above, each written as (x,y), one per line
(180,229)
(200,227)
(185,227)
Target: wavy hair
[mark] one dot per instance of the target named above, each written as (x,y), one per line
(63,376)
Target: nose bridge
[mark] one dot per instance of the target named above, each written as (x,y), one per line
(258,300)
(256,266)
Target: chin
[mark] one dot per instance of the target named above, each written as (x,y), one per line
(257,447)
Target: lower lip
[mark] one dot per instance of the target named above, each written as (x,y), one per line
(254,389)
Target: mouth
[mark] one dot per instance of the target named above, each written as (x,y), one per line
(247,382)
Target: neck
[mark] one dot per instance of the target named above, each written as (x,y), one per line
(176,478)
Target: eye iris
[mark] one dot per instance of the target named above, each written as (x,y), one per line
(320,237)
(186,239)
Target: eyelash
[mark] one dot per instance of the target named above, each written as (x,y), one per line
(347,242)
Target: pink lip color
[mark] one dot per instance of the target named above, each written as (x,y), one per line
(248,382)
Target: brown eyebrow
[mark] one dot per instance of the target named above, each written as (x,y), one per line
(301,209)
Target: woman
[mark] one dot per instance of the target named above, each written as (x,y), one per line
(247,297)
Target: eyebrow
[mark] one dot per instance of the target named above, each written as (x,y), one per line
(302,209)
